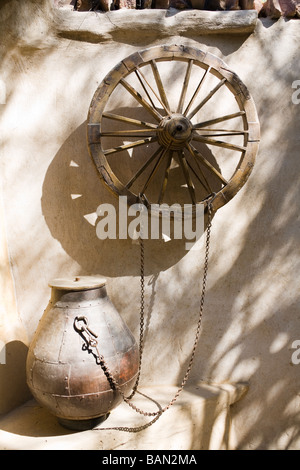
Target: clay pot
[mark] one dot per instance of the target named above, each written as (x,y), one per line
(64,372)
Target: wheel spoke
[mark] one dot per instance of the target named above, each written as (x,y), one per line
(143,167)
(165,179)
(218,143)
(220,132)
(138,143)
(141,100)
(129,133)
(153,91)
(197,91)
(205,184)
(187,176)
(207,98)
(154,170)
(192,169)
(185,86)
(196,154)
(160,86)
(139,74)
(227,117)
(117,117)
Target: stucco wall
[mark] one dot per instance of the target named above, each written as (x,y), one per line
(49,186)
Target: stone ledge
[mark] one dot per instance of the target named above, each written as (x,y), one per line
(99,26)
(199,419)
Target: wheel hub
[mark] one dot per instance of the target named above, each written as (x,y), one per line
(174,131)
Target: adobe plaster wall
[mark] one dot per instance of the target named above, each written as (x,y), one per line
(50,186)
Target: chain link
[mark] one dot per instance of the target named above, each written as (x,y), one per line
(142,316)
(92,343)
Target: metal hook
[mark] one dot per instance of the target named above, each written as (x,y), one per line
(81,329)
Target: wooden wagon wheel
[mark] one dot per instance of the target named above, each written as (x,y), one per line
(173,115)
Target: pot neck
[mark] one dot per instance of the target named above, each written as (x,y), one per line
(66,296)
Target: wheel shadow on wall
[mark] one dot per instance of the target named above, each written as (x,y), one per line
(72,193)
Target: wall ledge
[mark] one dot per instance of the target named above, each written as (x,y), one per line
(124,24)
(199,420)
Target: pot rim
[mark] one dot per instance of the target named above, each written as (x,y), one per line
(77,282)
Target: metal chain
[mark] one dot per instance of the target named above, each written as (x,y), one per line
(91,342)
(142,319)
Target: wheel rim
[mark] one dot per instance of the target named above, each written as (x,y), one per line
(164,135)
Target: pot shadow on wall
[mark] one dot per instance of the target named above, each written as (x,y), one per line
(31,419)
(13,387)
(72,192)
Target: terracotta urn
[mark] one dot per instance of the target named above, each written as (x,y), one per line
(64,368)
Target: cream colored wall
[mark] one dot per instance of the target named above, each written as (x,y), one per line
(13,336)
(251,313)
